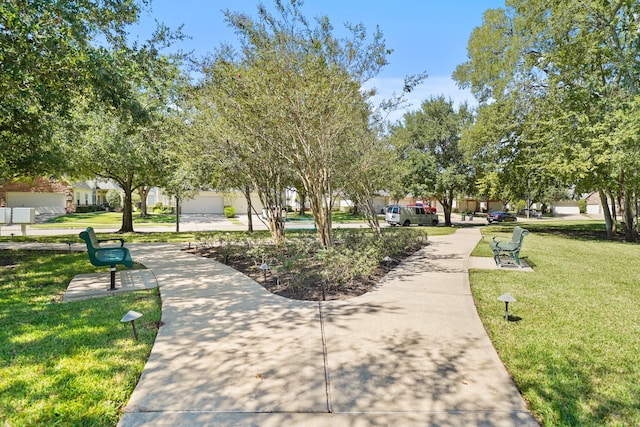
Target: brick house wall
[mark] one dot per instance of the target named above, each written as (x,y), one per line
(38,185)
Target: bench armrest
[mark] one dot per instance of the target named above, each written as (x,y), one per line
(112,240)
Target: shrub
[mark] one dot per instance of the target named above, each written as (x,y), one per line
(342,265)
(395,242)
(85,209)
(229,212)
(113,199)
(582,204)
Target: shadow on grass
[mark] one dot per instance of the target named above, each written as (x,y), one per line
(576,230)
(66,364)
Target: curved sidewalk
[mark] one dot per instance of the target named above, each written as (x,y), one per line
(412,352)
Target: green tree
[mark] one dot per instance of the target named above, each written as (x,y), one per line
(228,155)
(117,151)
(368,174)
(572,66)
(428,143)
(51,53)
(131,152)
(293,94)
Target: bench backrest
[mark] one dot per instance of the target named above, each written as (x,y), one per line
(92,237)
(518,235)
(89,237)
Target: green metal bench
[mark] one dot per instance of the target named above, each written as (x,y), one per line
(106,256)
(510,248)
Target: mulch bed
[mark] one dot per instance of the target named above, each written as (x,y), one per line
(312,288)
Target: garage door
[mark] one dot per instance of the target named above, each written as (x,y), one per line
(204,203)
(45,203)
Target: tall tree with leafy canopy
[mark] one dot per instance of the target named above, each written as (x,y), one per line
(294,92)
(232,157)
(428,144)
(574,65)
(129,151)
(51,53)
(370,172)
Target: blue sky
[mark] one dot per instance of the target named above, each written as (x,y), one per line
(426,35)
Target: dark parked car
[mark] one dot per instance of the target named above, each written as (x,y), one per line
(500,217)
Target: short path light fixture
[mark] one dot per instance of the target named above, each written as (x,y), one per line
(69,243)
(507,298)
(131,316)
(264,267)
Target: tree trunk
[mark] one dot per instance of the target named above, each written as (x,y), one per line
(247,195)
(127,215)
(303,202)
(607,214)
(143,190)
(272,202)
(447,204)
(276,226)
(321,209)
(614,214)
(629,217)
(372,217)
(177,214)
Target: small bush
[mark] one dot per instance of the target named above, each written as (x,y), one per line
(113,199)
(85,209)
(229,212)
(582,205)
(398,241)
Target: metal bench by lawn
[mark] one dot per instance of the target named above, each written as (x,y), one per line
(106,256)
(510,248)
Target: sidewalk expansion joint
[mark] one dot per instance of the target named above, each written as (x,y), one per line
(327,378)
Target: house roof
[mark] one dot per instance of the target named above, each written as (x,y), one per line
(95,185)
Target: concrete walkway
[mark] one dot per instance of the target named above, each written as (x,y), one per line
(412,352)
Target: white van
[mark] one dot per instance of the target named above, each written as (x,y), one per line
(407,215)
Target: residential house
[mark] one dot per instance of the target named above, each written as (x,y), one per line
(46,195)
(92,193)
(594,204)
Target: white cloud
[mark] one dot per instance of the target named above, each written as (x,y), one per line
(432,86)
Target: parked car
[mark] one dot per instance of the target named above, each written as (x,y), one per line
(500,217)
(407,215)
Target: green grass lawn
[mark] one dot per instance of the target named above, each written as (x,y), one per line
(66,363)
(102,219)
(573,343)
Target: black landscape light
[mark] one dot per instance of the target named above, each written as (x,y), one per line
(264,267)
(507,298)
(131,316)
